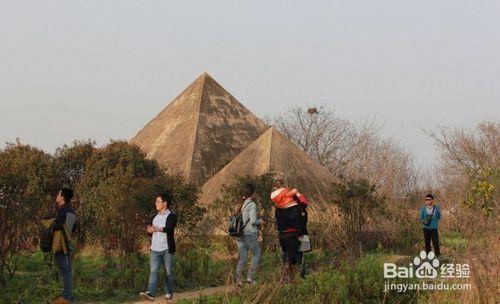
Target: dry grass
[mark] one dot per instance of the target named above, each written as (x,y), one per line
(482,253)
(325,226)
(484,258)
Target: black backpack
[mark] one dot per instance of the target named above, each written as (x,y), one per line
(46,237)
(236,225)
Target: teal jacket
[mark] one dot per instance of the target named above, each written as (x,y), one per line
(435,217)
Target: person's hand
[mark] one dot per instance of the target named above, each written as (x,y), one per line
(150,229)
(262,223)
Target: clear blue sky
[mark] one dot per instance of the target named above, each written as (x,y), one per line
(102,69)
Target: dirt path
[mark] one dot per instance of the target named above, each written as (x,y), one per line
(189,295)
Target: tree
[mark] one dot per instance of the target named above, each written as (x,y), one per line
(385,164)
(470,165)
(36,166)
(15,208)
(117,194)
(70,161)
(351,150)
(27,186)
(185,202)
(331,141)
(357,200)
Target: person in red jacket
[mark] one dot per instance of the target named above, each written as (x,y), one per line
(288,213)
(282,196)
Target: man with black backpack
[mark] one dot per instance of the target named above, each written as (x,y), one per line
(245,227)
(430,214)
(64,225)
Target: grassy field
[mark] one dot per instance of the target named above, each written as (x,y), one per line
(333,277)
(356,281)
(111,280)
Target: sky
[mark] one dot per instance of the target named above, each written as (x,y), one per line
(102,69)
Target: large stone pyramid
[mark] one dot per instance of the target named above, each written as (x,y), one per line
(272,151)
(199,132)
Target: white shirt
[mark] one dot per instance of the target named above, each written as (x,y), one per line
(159,239)
(429,210)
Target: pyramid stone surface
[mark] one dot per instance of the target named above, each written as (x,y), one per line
(272,151)
(199,132)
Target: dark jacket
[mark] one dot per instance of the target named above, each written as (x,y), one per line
(65,215)
(289,219)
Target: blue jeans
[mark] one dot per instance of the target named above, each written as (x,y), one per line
(156,259)
(64,263)
(244,244)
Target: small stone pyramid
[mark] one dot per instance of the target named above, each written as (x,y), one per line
(272,151)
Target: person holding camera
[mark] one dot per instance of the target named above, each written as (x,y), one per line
(430,214)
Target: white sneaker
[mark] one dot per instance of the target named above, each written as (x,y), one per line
(147,295)
(251,282)
(169,296)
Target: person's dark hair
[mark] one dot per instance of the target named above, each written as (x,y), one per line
(430,196)
(278,183)
(67,194)
(166,197)
(248,190)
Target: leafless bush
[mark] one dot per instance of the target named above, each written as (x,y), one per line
(331,141)
(469,172)
(353,150)
(466,151)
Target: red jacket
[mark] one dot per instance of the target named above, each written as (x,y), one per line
(284,197)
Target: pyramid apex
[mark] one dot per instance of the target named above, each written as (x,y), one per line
(272,131)
(205,75)
(202,81)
